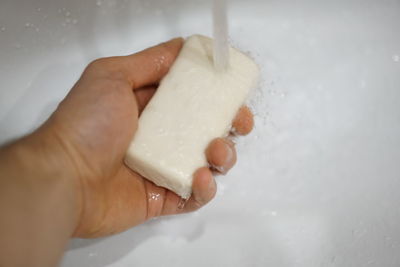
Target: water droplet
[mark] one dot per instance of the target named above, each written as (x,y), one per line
(18,46)
(98,3)
(38,9)
(67,14)
(274,213)
(3,29)
(74,21)
(27,25)
(396,58)
(37,29)
(68,20)
(154,196)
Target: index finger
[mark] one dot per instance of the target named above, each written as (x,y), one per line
(151,65)
(144,68)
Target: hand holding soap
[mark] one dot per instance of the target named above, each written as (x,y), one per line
(193,105)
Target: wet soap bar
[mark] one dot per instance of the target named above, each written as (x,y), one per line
(193,105)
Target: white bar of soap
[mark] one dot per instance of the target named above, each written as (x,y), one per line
(193,105)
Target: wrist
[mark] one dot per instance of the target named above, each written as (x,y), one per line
(40,163)
(39,200)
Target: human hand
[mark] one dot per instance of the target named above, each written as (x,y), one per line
(94,125)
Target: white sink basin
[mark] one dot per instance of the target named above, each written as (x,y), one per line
(317,182)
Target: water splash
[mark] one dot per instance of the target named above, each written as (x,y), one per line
(220,34)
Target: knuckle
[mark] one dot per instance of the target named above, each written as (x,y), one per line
(98,63)
(108,68)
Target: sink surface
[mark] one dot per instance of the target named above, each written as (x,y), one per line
(316,183)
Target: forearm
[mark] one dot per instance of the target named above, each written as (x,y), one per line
(38,203)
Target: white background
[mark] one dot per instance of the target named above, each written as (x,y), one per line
(317,183)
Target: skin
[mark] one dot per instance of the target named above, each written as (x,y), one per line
(67,179)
